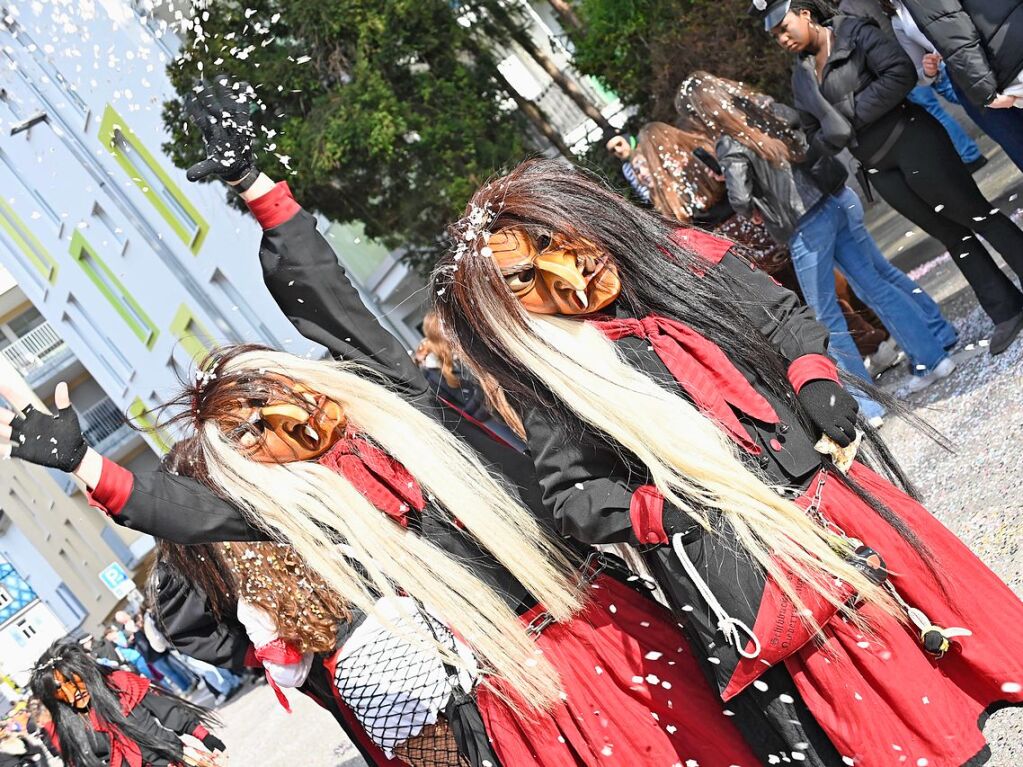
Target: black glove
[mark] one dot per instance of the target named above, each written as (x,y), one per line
(831,408)
(222,111)
(213,743)
(48,440)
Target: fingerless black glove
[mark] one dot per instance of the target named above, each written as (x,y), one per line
(213,743)
(48,440)
(831,408)
(222,111)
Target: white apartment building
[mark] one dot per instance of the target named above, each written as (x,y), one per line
(119,272)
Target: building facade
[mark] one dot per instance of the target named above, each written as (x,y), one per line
(120,274)
(27,625)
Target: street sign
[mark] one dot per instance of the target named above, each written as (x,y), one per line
(116,579)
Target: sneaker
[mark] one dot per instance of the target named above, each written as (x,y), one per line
(1005,333)
(977,164)
(943,369)
(887,356)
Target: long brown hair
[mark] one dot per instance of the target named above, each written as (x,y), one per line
(269,575)
(682,184)
(723,107)
(435,342)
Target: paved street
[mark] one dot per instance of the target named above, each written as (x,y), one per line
(977,489)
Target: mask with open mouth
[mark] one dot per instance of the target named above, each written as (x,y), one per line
(71,690)
(299,427)
(551,274)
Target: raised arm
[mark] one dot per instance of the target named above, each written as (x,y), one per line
(300,268)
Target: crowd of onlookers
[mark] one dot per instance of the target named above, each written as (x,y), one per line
(866,83)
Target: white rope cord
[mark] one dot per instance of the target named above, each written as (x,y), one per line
(727,625)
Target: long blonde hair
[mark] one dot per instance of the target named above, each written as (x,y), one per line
(691,461)
(297,503)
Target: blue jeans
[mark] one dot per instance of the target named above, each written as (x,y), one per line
(927,97)
(1005,126)
(833,232)
(177,676)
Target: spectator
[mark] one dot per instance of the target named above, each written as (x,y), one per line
(850,84)
(622,147)
(680,186)
(176,674)
(811,208)
(981,44)
(926,93)
(457,387)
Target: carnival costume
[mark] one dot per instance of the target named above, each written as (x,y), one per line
(829,686)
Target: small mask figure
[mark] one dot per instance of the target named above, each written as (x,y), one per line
(71,691)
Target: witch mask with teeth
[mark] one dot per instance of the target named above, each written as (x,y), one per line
(554,274)
(274,418)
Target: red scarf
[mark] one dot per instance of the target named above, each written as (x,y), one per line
(710,379)
(277,651)
(131,689)
(382,480)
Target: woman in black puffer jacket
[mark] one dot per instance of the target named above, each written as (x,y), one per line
(850,85)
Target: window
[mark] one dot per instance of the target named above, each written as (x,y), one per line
(5,597)
(26,629)
(81,322)
(156,185)
(115,292)
(30,188)
(20,238)
(192,334)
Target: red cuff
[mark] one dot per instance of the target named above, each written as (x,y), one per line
(115,487)
(812,367)
(200,732)
(647,513)
(708,246)
(275,207)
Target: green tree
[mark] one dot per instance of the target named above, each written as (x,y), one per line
(643,49)
(385,113)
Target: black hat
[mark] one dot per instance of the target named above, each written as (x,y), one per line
(771,12)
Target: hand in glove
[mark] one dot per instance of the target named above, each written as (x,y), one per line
(213,743)
(41,438)
(831,408)
(222,111)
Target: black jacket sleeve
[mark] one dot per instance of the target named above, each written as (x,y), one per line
(738,176)
(303,275)
(787,322)
(586,487)
(181,510)
(185,618)
(170,713)
(948,25)
(894,75)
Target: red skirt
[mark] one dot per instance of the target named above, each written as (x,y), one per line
(634,695)
(881,699)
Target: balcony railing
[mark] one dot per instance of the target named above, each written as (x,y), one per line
(38,352)
(103,425)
